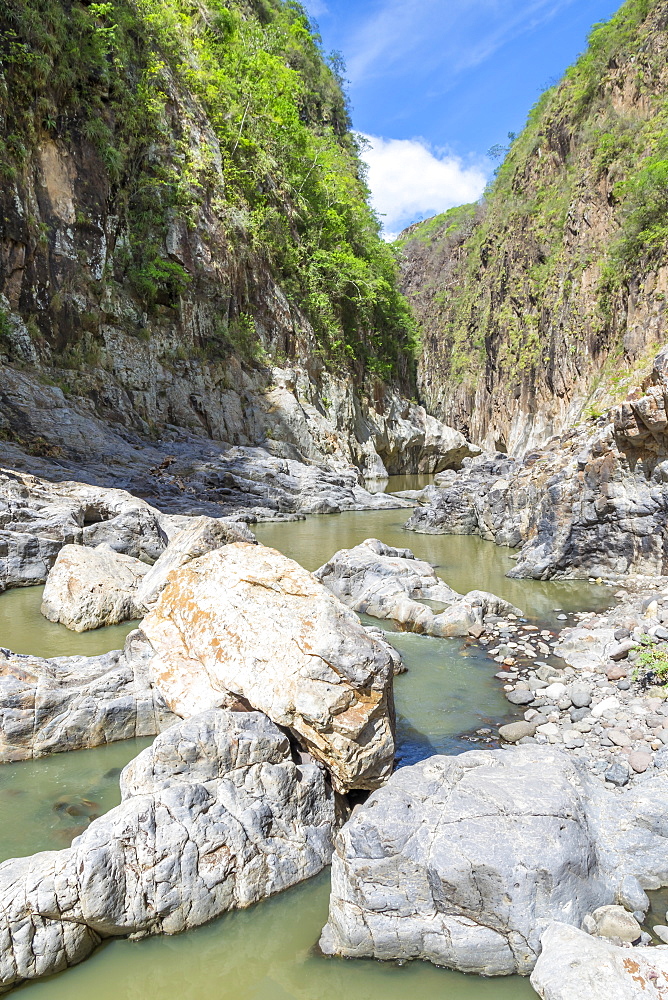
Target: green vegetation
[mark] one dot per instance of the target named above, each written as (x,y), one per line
(651,665)
(531,277)
(272,157)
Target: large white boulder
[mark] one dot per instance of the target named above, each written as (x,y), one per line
(89,588)
(214,816)
(389,583)
(465,860)
(245,622)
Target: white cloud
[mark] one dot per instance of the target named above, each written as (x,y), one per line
(409,180)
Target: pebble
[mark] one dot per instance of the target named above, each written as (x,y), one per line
(520,697)
(640,761)
(580,696)
(619,739)
(516,731)
(618,775)
(661,932)
(607,705)
(616,673)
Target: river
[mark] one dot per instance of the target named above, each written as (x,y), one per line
(267,952)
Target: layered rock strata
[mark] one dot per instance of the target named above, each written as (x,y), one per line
(274,442)
(244,622)
(464,861)
(593,503)
(76,702)
(214,816)
(388,583)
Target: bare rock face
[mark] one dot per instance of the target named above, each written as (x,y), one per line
(573,965)
(391,583)
(215,816)
(244,622)
(464,861)
(203,534)
(76,702)
(592,503)
(89,588)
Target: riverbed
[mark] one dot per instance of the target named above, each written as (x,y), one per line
(268,952)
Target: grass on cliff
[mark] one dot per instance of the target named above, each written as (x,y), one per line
(511,286)
(294,193)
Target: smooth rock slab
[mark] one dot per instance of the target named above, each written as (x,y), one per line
(76,702)
(389,583)
(245,622)
(575,966)
(91,588)
(215,816)
(465,860)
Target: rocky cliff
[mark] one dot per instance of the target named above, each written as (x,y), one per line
(543,303)
(186,245)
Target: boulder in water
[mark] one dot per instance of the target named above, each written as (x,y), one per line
(246,622)
(214,816)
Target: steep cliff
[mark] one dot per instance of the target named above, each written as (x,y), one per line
(542,304)
(182,214)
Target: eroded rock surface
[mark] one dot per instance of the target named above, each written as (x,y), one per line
(390,583)
(573,965)
(214,816)
(465,860)
(246,622)
(201,535)
(592,503)
(89,588)
(75,702)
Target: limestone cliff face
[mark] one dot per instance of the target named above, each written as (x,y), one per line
(165,256)
(553,289)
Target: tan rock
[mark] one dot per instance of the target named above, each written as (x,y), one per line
(203,534)
(245,622)
(88,588)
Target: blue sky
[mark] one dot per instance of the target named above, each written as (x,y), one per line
(435,83)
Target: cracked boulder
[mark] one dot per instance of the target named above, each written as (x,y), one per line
(573,965)
(388,583)
(244,623)
(465,860)
(90,588)
(76,702)
(214,816)
(203,534)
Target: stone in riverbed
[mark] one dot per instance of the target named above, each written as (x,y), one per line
(622,650)
(640,761)
(388,583)
(580,696)
(76,702)
(89,588)
(573,966)
(201,535)
(618,774)
(516,731)
(214,816)
(519,697)
(245,622)
(464,860)
(613,922)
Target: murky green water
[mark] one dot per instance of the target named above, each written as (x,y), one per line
(45,803)
(267,952)
(464,561)
(25,630)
